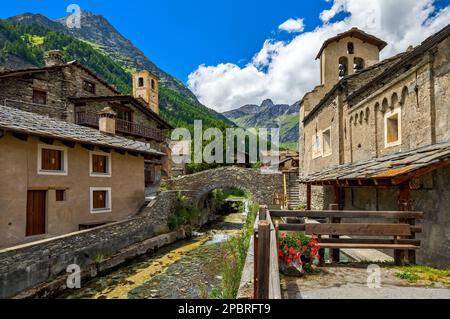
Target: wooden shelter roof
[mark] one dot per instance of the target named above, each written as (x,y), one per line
(391,170)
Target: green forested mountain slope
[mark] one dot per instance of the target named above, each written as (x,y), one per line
(24,42)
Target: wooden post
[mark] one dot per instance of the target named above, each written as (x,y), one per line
(262,212)
(335,253)
(308,196)
(263,259)
(404,200)
(255,264)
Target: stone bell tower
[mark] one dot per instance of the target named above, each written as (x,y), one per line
(347,53)
(145,86)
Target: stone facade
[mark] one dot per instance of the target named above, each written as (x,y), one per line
(397,105)
(73,93)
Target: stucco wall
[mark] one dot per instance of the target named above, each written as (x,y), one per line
(18,167)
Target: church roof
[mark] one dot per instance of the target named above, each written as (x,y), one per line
(354,33)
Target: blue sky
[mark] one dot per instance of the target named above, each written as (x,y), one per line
(179,35)
(232,52)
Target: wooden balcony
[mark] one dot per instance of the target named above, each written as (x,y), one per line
(124,127)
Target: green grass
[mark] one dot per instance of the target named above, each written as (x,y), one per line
(235,253)
(413,274)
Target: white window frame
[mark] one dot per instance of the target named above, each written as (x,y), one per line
(108,209)
(108,168)
(323,144)
(388,115)
(316,152)
(64,163)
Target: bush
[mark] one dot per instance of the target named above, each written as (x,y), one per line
(185,215)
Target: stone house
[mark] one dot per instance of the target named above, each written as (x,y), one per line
(375,135)
(60,177)
(71,92)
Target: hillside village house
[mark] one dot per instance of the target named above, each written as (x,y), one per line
(59,177)
(375,135)
(73,93)
(74,152)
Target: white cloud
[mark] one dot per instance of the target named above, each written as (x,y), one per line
(285,71)
(292,26)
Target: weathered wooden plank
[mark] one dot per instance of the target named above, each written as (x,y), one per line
(263,259)
(375,241)
(370,246)
(347,214)
(291,227)
(275,286)
(359,229)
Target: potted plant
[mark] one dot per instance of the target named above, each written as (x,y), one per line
(297,254)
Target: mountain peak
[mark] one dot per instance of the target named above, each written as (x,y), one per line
(267,103)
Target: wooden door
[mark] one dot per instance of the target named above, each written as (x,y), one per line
(36,213)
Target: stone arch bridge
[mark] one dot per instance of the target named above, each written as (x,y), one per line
(263,187)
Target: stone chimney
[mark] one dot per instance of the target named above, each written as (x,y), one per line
(55,57)
(107,121)
(145,87)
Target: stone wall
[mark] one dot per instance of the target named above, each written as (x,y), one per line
(26,266)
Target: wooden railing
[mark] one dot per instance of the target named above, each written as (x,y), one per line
(266,269)
(90,118)
(402,228)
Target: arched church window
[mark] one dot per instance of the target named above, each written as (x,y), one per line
(343,67)
(358,64)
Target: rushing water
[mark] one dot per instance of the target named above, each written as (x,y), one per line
(187,269)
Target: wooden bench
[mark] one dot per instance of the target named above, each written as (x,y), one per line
(329,234)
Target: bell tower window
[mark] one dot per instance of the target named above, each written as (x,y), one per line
(343,67)
(358,64)
(350,48)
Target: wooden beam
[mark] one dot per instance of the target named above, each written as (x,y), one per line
(374,241)
(105,149)
(88,147)
(69,144)
(308,196)
(347,214)
(21,136)
(421,171)
(292,227)
(136,154)
(47,140)
(263,259)
(121,152)
(359,229)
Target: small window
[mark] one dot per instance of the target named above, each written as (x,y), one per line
(100,164)
(60,195)
(100,200)
(393,128)
(316,146)
(39,97)
(326,142)
(89,87)
(52,160)
(153,84)
(141,82)
(350,48)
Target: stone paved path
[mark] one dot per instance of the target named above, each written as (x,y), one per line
(350,282)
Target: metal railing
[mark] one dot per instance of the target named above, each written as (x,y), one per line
(84,117)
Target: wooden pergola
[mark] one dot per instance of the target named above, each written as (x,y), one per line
(397,171)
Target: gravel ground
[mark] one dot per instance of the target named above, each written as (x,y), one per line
(350,282)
